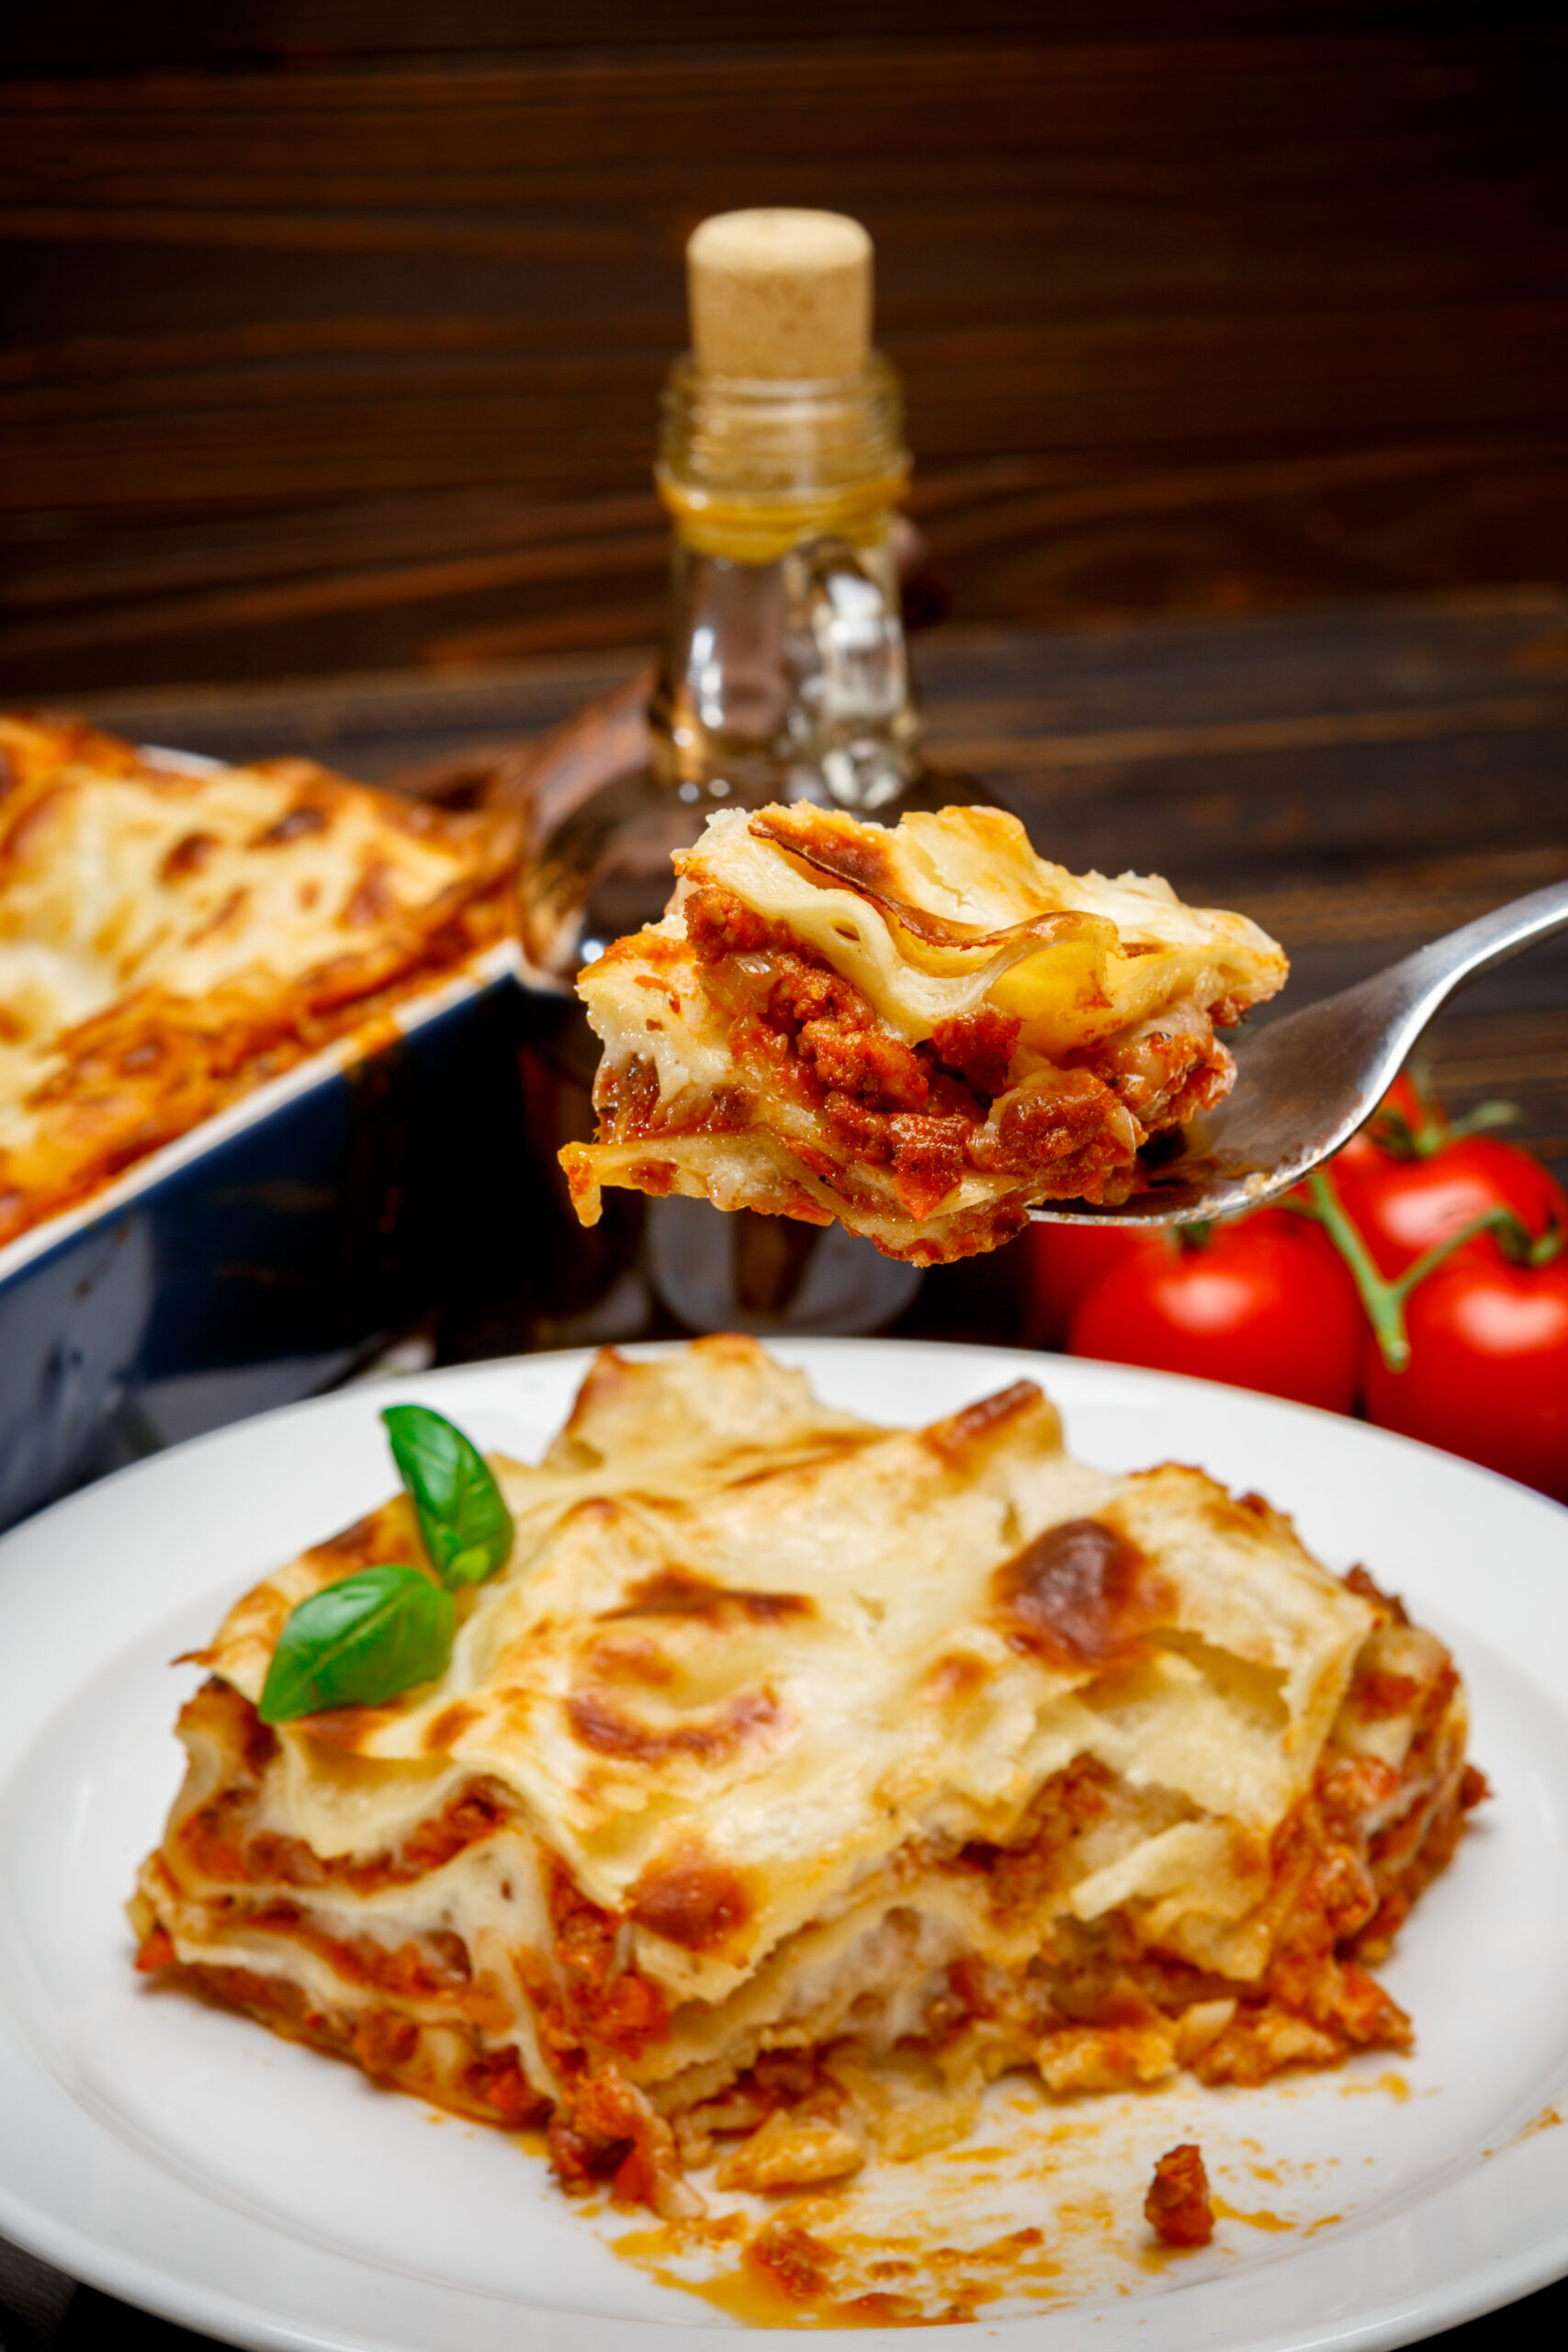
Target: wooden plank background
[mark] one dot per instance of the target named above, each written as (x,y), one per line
(335,332)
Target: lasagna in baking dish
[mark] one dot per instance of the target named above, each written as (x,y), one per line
(169,941)
(917,1031)
(793,1778)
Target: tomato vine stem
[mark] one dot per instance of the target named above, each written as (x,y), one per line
(1384,1299)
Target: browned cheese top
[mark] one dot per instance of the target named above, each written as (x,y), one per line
(749,1648)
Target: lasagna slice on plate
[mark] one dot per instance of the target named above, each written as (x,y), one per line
(918,1030)
(795,1777)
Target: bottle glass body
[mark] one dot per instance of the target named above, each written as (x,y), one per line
(782,677)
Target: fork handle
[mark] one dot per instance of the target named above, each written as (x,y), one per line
(1434,972)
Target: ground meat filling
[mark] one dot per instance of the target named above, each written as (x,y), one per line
(977,1048)
(1167,1071)
(926,1114)
(625,1096)
(1178,2207)
(1057,1120)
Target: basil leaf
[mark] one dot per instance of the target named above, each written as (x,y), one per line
(368,1638)
(466,1525)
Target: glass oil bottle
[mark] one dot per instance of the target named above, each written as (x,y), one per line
(783,677)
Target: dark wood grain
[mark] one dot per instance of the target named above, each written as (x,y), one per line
(347,354)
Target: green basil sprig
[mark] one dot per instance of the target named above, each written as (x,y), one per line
(462,1517)
(368,1638)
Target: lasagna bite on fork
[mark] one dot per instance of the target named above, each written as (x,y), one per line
(917,1031)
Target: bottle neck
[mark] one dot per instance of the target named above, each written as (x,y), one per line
(783,674)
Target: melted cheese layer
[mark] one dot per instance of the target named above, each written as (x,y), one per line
(749,1656)
(952,908)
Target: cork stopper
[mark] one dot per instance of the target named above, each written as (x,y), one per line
(779,295)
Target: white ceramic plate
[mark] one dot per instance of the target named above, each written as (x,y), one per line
(185,2159)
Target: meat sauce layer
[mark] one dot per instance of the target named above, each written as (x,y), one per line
(929,1112)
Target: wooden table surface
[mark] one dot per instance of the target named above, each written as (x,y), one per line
(335,332)
(1358,780)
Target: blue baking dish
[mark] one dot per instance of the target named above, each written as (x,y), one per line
(258,1258)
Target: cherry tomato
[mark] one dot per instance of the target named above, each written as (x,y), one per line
(1264,1303)
(1403,1207)
(1063,1263)
(1404,1106)
(1488,1371)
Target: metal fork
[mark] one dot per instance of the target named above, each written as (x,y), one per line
(1305,1084)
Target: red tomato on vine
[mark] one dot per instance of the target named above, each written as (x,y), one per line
(1488,1371)
(1065,1262)
(1411,1178)
(1456,1242)
(1403,1207)
(1265,1302)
